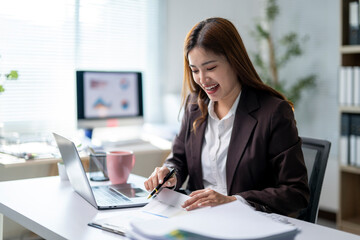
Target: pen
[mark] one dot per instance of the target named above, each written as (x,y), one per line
(169,175)
(107,229)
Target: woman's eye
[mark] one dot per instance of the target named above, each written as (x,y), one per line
(194,71)
(211,68)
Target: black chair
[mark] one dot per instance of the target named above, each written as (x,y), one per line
(316,153)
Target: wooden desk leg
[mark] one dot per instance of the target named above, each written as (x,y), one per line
(1,226)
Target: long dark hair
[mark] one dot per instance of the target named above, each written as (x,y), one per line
(220,36)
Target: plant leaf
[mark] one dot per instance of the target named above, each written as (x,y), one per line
(294,93)
(13,75)
(261,31)
(272,10)
(292,48)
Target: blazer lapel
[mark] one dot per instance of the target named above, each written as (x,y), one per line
(243,126)
(196,147)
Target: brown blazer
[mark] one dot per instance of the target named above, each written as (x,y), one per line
(265,162)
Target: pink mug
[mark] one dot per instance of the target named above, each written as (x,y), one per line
(119,165)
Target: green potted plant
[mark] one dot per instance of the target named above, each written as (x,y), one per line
(278,54)
(12,75)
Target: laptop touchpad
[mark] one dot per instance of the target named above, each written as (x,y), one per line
(129,191)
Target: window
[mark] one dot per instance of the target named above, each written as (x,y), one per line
(46,41)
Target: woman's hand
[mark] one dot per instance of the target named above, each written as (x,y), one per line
(206,197)
(157,177)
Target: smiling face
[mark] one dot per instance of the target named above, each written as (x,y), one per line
(214,75)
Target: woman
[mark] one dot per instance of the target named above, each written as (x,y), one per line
(238,139)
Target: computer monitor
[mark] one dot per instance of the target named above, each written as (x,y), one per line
(108,98)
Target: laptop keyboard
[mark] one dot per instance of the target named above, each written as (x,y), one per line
(107,197)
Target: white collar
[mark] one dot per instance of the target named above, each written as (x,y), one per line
(231,112)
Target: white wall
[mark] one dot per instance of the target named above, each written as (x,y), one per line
(317,113)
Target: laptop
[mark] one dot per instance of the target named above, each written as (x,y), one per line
(102,196)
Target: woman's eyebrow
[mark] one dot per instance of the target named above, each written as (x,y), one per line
(205,63)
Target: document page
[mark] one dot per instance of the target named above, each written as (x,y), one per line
(120,224)
(166,204)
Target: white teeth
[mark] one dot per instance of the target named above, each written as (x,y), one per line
(212,87)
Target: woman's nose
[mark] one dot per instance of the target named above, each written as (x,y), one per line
(203,78)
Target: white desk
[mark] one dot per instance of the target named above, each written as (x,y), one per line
(51,209)
(148,155)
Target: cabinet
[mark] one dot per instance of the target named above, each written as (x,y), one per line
(348,218)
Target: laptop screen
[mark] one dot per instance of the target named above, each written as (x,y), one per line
(80,182)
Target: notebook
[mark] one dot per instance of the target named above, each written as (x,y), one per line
(102,196)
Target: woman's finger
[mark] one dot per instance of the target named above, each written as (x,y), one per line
(163,171)
(194,197)
(202,202)
(154,181)
(171,182)
(146,185)
(151,181)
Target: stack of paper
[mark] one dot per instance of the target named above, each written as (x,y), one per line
(228,221)
(164,218)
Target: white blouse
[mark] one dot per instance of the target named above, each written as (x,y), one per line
(215,147)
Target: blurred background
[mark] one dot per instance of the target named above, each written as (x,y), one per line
(47,41)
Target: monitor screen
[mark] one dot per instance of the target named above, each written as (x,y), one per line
(104,96)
